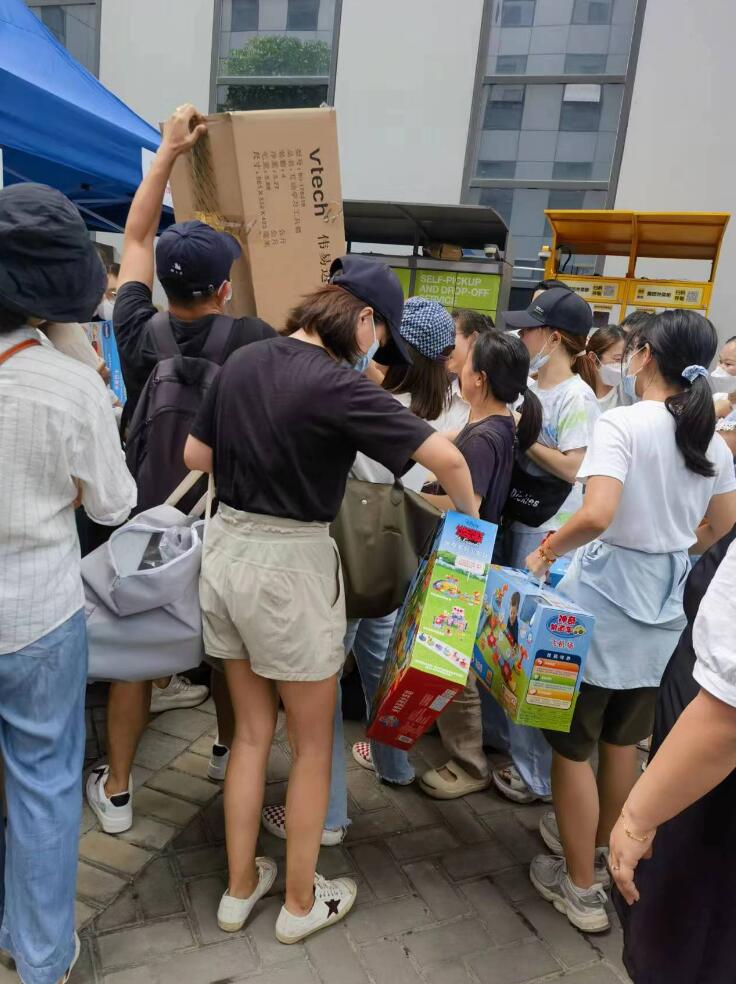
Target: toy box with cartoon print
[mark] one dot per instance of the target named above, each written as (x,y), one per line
(431,647)
(531,649)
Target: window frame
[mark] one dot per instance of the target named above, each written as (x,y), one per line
(520,5)
(289,14)
(490,101)
(97,4)
(251,4)
(579,5)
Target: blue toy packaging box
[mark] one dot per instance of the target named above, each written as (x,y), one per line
(531,649)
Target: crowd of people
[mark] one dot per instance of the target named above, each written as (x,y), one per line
(610,447)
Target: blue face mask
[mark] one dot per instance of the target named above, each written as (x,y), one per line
(629,378)
(539,360)
(375,345)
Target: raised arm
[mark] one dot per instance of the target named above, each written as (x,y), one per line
(181,132)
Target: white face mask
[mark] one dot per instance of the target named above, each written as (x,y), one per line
(610,373)
(721,381)
(105,309)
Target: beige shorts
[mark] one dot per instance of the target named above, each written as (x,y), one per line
(271,592)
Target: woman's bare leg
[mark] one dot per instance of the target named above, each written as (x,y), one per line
(128,711)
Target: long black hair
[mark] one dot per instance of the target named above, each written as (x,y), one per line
(504,360)
(426,380)
(677,340)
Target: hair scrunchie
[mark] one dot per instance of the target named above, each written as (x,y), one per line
(691,373)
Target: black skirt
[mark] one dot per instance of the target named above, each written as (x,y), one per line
(683,928)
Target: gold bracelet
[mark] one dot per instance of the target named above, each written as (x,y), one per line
(639,838)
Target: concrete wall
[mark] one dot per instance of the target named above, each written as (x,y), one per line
(156,55)
(405,79)
(680,145)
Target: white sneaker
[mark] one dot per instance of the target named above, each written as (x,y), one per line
(333,900)
(362,755)
(218,762)
(232,912)
(114,813)
(179,693)
(273,819)
(75,958)
(584,907)
(550,833)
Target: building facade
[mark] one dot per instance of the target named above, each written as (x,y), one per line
(518,104)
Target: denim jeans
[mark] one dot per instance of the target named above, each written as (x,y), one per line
(42,735)
(368,638)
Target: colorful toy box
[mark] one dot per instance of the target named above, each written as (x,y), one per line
(531,649)
(431,647)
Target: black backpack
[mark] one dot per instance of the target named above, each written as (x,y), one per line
(166,411)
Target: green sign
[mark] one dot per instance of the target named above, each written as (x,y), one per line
(474,291)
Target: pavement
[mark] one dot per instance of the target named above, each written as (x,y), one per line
(444,895)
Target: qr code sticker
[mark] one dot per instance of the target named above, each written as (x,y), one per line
(692,296)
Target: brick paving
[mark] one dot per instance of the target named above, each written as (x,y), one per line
(444,895)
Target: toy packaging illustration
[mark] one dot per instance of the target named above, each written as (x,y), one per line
(531,649)
(431,649)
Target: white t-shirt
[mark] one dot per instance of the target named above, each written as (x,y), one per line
(569,412)
(713,633)
(616,398)
(662,502)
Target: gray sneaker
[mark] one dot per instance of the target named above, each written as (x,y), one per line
(550,834)
(584,907)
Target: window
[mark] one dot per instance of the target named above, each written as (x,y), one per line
(75,25)
(234,98)
(585,64)
(245,15)
(496,169)
(572,171)
(511,64)
(517,13)
(592,12)
(55,19)
(504,108)
(302,15)
(500,199)
(581,108)
(566,199)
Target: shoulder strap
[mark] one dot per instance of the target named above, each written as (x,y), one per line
(9,353)
(215,348)
(162,335)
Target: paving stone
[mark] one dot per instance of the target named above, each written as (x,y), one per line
(157,891)
(462,821)
(279,764)
(388,919)
(293,974)
(204,897)
(569,946)
(184,786)
(418,809)
(149,833)
(503,922)
(390,962)
(184,722)
(333,862)
(422,843)
(98,885)
(202,746)
(140,776)
(221,962)
(122,912)
(377,823)
(514,836)
(489,801)
(83,914)
(195,835)
(531,814)
(113,852)
(127,947)
(599,974)
(381,870)
(208,707)
(334,959)
(366,791)
(89,820)
(478,859)
(202,861)
(193,765)
(260,932)
(156,750)
(514,883)
(436,890)
(450,972)
(214,818)
(7,976)
(453,941)
(513,964)
(163,806)
(610,946)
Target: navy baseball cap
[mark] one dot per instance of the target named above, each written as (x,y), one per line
(377,285)
(557,307)
(195,257)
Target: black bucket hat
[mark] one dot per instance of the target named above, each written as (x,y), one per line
(49,267)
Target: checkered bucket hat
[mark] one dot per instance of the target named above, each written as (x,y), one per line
(427,326)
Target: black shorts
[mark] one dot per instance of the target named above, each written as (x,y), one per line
(617,717)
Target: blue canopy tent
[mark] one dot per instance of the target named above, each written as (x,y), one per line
(61,127)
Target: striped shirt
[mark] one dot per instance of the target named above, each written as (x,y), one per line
(56,428)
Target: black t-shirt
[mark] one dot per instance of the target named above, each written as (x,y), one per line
(285,422)
(134,307)
(488,449)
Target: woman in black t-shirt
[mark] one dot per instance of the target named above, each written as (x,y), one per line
(280,428)
(494,376)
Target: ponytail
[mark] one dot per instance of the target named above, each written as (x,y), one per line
(574,345)
(682,344)
(504,360)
